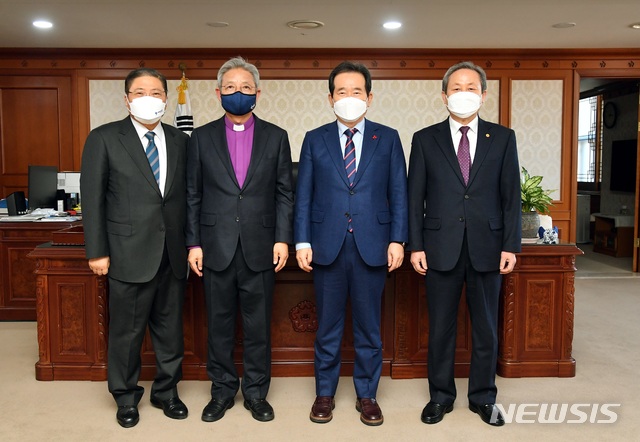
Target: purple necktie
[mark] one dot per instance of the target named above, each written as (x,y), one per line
(350,162)
(464,155)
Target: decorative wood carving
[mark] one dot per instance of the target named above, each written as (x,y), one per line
(304,317)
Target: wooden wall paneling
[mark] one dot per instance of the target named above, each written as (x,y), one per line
(79,65)
(564,206)
(35,127)
(83,77)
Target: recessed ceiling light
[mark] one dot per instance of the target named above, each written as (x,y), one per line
(218,24)
(42,24)
(392,25)
(635,26)
(563,25)
(305,24)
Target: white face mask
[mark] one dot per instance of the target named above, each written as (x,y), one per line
(464,104)
(349,108)
(147,110)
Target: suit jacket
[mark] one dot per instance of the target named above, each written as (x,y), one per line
(441,207)
(220,213)
(377,202)
(124,214)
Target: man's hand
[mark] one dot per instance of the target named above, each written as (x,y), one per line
(507,262)
(304,257)
(100,266)
(280,255)
(195,260)
(395,256)
(419,262)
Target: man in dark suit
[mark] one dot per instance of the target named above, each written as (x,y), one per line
(351,223)
(464,228)
(133,190)
(239,226)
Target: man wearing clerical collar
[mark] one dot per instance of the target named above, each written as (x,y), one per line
(239,227)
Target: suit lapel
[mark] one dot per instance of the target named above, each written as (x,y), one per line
(334,148)
(260,145)
(172,160)
(482,148)
(369,145)
(445,143)
(218,136)
(133,146)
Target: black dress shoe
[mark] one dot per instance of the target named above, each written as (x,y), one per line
(215,409)
(434,412)
(260,409)
(173,408)
(489,413)
(127,416)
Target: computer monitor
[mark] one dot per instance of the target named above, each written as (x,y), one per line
(43,186)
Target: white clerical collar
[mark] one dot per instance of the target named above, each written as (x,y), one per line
(238,127)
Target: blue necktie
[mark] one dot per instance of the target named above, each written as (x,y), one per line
(152,156)
(464,154)
(350,162)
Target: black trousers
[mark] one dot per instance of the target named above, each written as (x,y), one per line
(444,290)
(235,286)
(158,304)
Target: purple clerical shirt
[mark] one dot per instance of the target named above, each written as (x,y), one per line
(240,142)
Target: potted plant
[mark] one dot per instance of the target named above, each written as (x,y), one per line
(535,200)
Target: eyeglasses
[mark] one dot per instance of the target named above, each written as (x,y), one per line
(232,88)
(155,93)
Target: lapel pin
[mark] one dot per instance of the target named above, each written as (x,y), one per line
(375,137)
(487,135)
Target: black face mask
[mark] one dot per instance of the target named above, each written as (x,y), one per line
(238,103)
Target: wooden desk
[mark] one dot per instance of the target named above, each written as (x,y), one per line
(17,284)
(536,320)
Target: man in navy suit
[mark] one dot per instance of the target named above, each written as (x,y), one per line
(464,228)
(239,227)
(350,226)
(133,202)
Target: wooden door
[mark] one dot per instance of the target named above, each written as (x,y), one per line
(35,127)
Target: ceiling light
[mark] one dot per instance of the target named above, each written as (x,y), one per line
(218,24)
(305,24)
(392,25)
(635,26)
(563,25)
(42,24)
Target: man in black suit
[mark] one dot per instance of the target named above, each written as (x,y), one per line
(133,190)
(239,226)
(464,228)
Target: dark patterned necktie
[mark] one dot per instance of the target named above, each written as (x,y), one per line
(350,155)
(464,154)
(350,161)
(152,156)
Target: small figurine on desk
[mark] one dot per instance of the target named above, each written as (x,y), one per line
(548,236)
